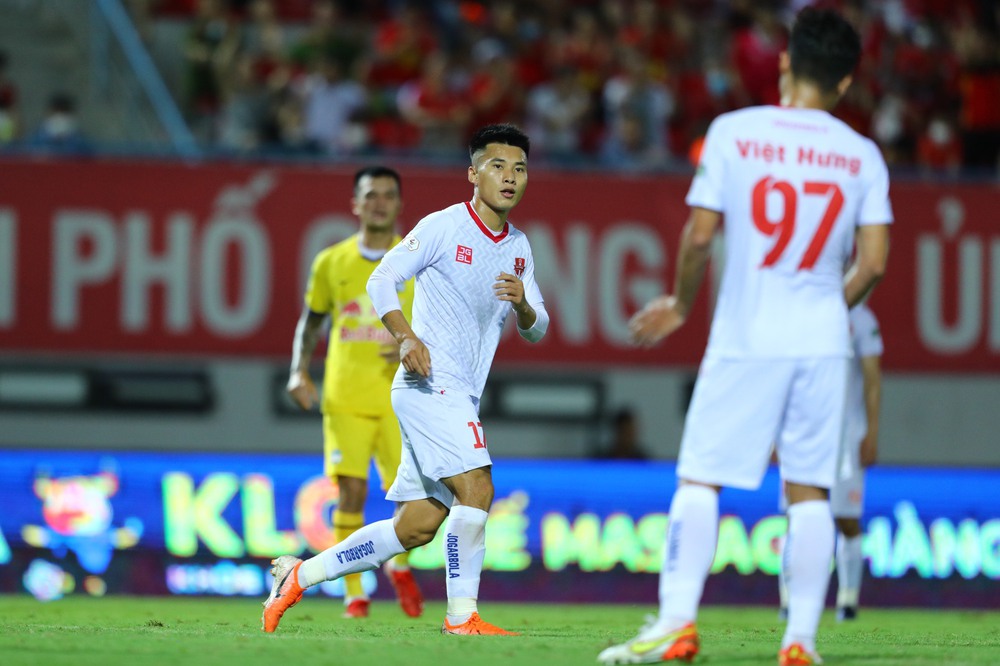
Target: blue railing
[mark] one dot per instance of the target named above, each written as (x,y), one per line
(113,15)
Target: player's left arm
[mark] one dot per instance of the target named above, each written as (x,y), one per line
(871,240)
(871,372)
(665,314)
(532,320)
(871,255)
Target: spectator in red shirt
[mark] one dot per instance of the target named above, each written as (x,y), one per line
(401,45)
(649,33)
(755,54)
(495,94)
(264,39)
(979,85)
(436,111)
(584,48)
(702,94)
(939,148)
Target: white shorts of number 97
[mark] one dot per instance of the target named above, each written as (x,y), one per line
(442,437)
(742,408)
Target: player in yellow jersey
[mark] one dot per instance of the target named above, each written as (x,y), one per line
(358,422)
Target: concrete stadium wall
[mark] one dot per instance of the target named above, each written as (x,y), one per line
(926,419)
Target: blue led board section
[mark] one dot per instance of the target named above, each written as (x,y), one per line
(87,522)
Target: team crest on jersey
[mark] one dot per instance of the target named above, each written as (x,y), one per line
(463,255)
(411,243)
(519,266)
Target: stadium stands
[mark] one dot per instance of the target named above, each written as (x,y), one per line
(633,84)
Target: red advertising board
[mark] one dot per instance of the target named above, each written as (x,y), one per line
(156,258)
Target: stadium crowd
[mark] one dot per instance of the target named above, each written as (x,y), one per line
(631,84)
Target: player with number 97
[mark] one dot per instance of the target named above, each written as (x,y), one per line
(799,191)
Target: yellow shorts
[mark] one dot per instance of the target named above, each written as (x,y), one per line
(351,441)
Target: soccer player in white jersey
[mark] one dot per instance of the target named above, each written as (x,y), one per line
(472,269)
(858,450)
(798,189)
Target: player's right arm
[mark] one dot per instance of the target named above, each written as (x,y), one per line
(868,348)
(871,372)
(300,384)
(418,250)
(665,314)
(413,354)
(318,302)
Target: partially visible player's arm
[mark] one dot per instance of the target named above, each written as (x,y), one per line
(872,253)
(300,384)
(413,354)
(526,315)
(665,314)
(531,322)
(871,372)
(399,265)
(692,257)
(871,241)
(526,301)
(532,325)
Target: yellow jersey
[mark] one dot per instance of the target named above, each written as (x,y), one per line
(357,378)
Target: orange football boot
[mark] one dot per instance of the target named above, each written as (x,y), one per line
(285,591)
(797,655)
(475,626)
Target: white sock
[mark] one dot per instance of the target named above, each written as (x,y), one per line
(850,565)
(464,550)
(808,552)
(366,549)
(691,539)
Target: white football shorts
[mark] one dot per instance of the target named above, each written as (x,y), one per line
(742,409)
(442,437)
(847,496)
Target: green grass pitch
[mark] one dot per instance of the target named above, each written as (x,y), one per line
(81,631)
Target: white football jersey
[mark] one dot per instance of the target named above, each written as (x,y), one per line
(866,341)
(456,259)
(793,185)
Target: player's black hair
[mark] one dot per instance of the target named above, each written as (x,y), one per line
(377,172)
(502,133)
(823,47)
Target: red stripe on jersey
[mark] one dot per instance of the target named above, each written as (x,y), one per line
(496,238)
